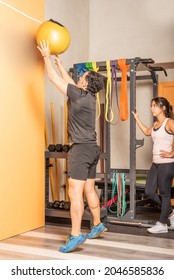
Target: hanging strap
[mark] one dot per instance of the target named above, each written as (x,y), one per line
(121,204)
(89,65)
(119,191)
(98,105)
(114,196)
(94,66)
(113,64)
(108,94)
(123,91)
(118,195)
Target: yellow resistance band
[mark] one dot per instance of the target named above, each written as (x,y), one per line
(108,93)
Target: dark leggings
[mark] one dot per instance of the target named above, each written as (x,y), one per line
(160,176)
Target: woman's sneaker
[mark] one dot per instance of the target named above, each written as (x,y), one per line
(158,228)
(96,231)
(171,219)
(72,243)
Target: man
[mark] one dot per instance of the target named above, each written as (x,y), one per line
(84,153)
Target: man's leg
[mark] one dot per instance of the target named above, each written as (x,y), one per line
(76,189)
(94,205)
(93,200)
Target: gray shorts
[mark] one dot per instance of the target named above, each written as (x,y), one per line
(82,161)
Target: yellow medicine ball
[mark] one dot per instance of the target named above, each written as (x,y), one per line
(57,35)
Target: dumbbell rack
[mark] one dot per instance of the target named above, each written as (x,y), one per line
(65,214)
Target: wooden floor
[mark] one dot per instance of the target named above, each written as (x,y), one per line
(43,244)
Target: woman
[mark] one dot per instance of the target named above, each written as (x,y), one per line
(161,173)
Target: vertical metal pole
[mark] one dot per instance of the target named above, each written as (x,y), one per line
(107,162)
(46,180)
(108,147)
(154,77)
(132,139)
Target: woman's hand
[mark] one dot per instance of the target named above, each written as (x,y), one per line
(44,48)
(165,154)
(135,114)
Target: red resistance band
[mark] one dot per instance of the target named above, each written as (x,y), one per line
(111,201)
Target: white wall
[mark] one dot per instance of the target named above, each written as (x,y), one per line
(131,28)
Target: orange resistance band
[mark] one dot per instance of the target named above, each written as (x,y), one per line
(123,91)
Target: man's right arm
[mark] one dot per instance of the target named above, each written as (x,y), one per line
(58,81)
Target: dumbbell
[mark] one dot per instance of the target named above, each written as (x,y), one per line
(65,148)
(49,205)
(66,205)
(51,148)
(59,148)
(56,204)
(61,204)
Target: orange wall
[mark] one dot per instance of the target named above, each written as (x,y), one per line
(166,89)
(21,120)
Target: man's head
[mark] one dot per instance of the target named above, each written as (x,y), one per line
(91,81)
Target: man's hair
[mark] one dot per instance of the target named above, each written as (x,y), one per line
(95,82)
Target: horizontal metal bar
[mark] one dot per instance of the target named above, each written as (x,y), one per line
(65,155)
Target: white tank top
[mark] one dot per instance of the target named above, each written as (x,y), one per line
(162,140)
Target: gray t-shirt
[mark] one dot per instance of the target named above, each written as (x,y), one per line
(81,115)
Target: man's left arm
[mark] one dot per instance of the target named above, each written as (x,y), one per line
(65,75)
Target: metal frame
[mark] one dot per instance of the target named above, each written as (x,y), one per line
(130,216)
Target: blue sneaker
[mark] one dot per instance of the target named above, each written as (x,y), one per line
(96,231)
(72,243)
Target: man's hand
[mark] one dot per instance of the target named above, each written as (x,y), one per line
(57,61)
(44,48)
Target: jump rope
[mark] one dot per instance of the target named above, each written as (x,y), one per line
(19,12)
